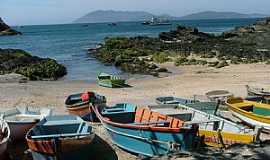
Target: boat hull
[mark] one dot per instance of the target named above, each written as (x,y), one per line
(67,149)
(149,143)
(80,110)
(3,148)
(112,83)
(251,121)
(19,130)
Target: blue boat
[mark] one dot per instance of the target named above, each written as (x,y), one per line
(60,138)
(144,132)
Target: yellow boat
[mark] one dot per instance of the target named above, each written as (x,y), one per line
(253,113)
(214,131)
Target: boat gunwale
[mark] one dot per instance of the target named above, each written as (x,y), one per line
(251,115)
(5,139)
(140,127)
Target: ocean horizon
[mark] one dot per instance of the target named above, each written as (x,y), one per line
(68,43)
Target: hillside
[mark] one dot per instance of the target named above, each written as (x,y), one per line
(114,16)
(220,15)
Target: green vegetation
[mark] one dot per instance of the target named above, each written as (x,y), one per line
(35,68)
(160,57)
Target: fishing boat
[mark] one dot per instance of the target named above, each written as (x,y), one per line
(209,107)
(61,137)
(143,132)
(252,113)
(216,95)
(255,91)
(21,119)
(4,136)
(79,104)
(173,100)
(111,81)
(214,131)
(259,99)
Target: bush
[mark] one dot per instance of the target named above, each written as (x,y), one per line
(180,61)
(160,57)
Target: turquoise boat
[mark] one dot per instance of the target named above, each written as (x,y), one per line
(60,138)
(111,81)
(144,132)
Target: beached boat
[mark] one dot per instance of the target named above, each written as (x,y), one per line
(79,104)
(255,91)
(143,132)
(253,113)
(173,100)
(214,131)
(209,107)
(111,81)
(259,99)
(4,136)
(60,138)
(220,95)
(21,119)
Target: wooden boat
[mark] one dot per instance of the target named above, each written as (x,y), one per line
(79,104)
(143,132)
(21,119)
(259,99)
(254,91)
(216,95)
(253,113)
(111,81)
(209,107)
(214,131)
(60,137)
(4,136)
(173,100)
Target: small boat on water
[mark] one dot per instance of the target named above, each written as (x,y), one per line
(21,119)
(253,113)
(144,132)
(79,104)
(174,100)
(60,138)
(4,136)
(111,81)
(214,131)
(255,91)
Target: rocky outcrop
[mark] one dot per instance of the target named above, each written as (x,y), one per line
(33,67)
(248,44)
(6,30)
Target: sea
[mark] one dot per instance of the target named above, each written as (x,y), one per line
(68,43)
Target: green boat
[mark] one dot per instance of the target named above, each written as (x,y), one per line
(111,81)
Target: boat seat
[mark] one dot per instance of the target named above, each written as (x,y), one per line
(146,117)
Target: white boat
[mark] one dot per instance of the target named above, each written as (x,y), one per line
(21,119)
(216,131)
(4,136)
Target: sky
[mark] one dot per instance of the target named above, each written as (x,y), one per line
(28,12)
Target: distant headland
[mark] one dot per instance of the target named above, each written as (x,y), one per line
(6,30)
(102,16)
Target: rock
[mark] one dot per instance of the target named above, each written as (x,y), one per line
(33,67)
(162,69)
(6,30)
(222,64)
(13,77)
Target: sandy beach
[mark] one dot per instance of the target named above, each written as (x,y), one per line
(184,81)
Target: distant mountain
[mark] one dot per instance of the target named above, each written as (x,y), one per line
(220,15)
(114,16)
(129,16)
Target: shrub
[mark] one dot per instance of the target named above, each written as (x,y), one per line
(160,57)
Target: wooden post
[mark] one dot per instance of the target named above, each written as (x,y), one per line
(218,103)
(258,131)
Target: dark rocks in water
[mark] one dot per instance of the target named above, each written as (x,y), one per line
(33,67)
(6,30)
